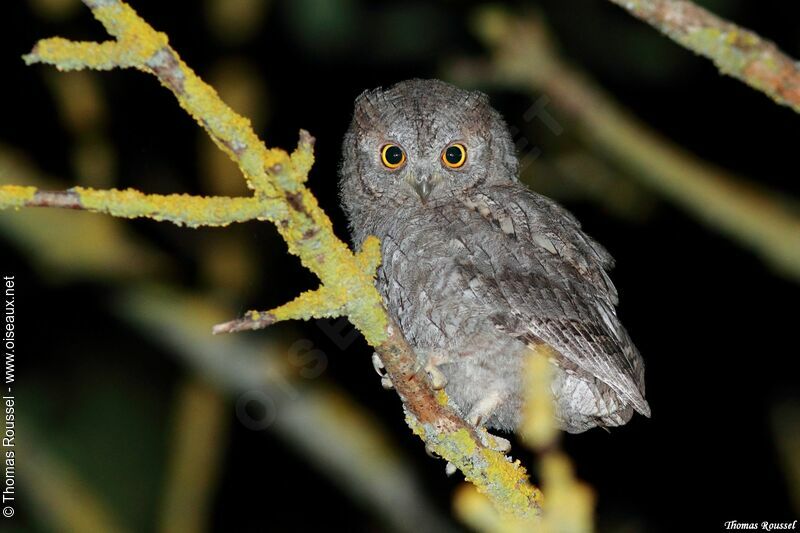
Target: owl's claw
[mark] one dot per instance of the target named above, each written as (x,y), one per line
(449,468)
(430,452)
(438,379)
(377,364)
(431,366)
(478,416)
(484,408)
(498,444)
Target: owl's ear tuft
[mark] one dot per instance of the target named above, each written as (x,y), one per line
(366,111)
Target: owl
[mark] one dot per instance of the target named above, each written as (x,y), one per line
(476,268)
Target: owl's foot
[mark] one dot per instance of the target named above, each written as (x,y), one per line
(429,362)
(438,379)
(478,416)
(484,408)
(377,364)
(493,442)
(449,468)
(430,452)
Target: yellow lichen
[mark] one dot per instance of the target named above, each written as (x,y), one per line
(15,196)
(181,209)
(504,482)
(319,303)
(442,398)
(510,485)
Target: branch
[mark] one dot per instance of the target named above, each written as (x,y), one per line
(736,51)
(180,209)
(280,177)
(524,57)
(272,173)
(324,302)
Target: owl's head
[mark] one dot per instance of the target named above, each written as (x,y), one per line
(423,141)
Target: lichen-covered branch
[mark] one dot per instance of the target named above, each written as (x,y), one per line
(180,209)
(321,303)
(433,418)
(736,51)
(525,57)
(273,173)
(277,179)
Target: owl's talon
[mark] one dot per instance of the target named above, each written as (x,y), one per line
(377,364)
(479,415)
(482,410)
(494,442)
(438,379)
(449,468)
(429,362)
(430,452)
(475,419)
(498,444)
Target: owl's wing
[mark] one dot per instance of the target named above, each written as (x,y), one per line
(551,282)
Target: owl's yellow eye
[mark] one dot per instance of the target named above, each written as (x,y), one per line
(455,155)
(392,156)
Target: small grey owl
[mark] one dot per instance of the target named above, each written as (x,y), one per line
(476,267)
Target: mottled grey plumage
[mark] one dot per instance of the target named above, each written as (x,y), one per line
(476,267)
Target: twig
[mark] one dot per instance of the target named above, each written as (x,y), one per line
(347,277)
(524,56)
(60,244)
(736,51)
(180,209)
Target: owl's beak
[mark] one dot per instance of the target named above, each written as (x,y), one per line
(424,186)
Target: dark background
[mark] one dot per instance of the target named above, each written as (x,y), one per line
(716,325)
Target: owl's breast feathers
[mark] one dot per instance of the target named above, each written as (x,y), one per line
(518,260)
